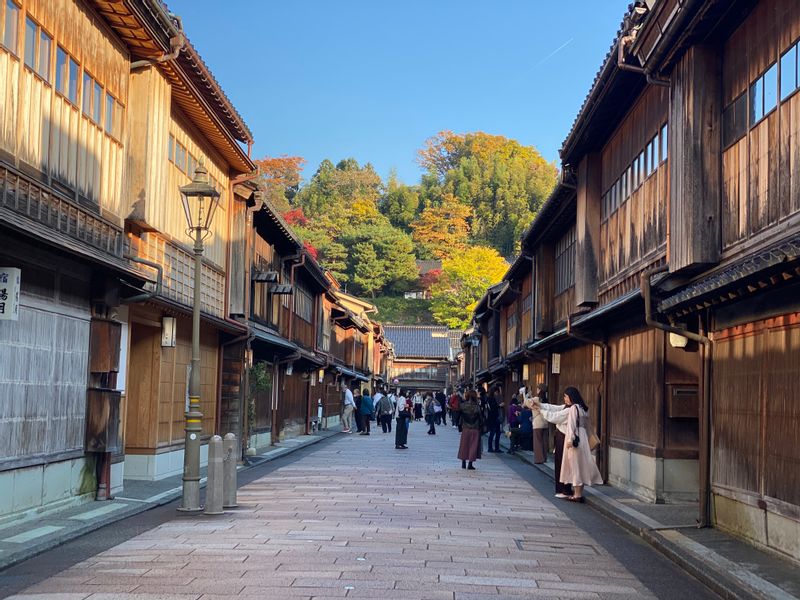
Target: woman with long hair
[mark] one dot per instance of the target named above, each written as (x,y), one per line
(575,466)
(469,449)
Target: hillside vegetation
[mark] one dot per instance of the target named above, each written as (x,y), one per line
(477,195)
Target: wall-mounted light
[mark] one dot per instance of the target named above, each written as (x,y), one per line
(168,329)
(248,357)
(321,375)
(525,372)
(289,368)
(677,341)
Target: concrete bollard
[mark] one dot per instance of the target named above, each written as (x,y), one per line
(229,478)
(214,483)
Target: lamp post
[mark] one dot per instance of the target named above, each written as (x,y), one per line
(199,203)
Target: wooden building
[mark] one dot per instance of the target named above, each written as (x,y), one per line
(664,266)
(422,357)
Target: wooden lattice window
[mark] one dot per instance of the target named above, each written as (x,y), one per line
(565,261)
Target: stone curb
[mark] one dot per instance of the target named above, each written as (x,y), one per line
(33,548)
(724,577)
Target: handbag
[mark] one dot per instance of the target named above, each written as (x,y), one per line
(575,441)
(594,441)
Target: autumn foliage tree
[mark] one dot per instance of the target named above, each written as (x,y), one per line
(465,278)
(280,179)
(503,182)
(443,230)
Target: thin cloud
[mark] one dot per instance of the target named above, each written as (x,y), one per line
(545,59)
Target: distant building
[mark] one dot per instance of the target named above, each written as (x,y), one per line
(423,267)
(423,357)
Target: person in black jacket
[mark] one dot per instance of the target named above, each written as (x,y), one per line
(494,419)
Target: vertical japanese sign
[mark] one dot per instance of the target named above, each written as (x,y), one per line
(10,278)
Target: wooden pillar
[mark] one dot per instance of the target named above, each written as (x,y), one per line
(695,158)
(587,229)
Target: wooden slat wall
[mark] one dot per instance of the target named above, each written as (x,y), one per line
(292,403)
(168,215)
(43,369)
(756,413)
(635,234)
(761,172)
(564,305)
(527,315)
(156,397)
(695,134)
(635,388)
(576,371)
(45,131)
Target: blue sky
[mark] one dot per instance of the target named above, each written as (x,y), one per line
(374,79)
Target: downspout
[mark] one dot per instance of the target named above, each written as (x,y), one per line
(159,279)
(176,44)
(302,258)
(623,66)
(603,418)
(704,518)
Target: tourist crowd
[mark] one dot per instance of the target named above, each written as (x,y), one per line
(475,412)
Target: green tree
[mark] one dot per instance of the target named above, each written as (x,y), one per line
(503,181)
(368,271)
(464,280)
(401,203)
(394,258)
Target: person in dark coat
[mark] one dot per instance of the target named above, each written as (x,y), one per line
(494,419)
(403,419)
(357,413)
(367,410)
(442,400)
(471,419)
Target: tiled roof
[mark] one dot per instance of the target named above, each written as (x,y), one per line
(455,340)
(419,341)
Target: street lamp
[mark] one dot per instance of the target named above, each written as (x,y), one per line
(199,203)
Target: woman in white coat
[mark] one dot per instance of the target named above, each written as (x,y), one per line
(577,465)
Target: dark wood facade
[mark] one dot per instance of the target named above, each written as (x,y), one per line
(684,184)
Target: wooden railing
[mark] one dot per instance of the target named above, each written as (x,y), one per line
(32,201)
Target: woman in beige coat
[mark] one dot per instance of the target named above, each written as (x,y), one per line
(577,465)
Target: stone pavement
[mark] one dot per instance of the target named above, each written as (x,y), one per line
(21,540)
(731,567)
(358,518)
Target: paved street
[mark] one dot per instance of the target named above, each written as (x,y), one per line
(354,517)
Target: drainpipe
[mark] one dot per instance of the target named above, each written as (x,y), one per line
(176,44)
(704,518)
(294,298)
(623,66)
(159,279)
(603,418)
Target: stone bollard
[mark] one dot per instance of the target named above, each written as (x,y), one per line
(214,483)
(229,482)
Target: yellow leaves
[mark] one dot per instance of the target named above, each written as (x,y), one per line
(443,230)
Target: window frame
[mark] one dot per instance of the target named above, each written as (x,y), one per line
(34,50)
(12,49)
(757,91)
(565,261)
(43,33)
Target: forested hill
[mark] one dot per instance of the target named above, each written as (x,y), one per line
(477,195)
